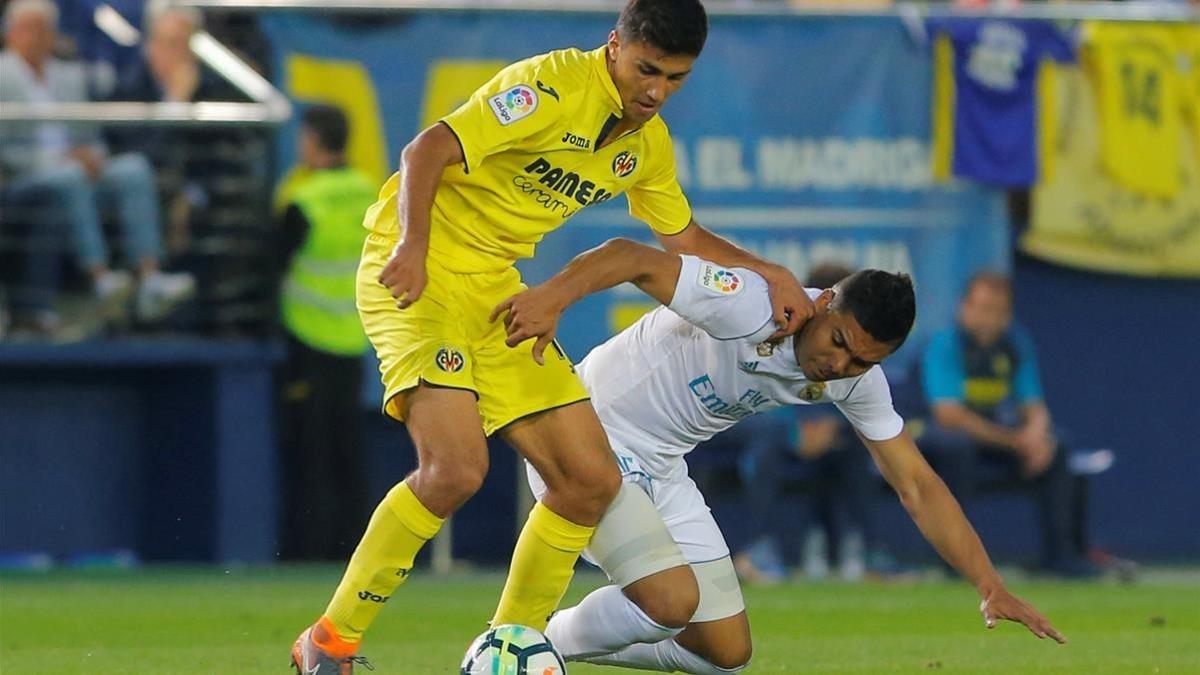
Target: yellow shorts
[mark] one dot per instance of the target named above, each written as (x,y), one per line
(445,339)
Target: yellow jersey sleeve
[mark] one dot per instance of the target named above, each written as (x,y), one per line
(656,197)
(502,113)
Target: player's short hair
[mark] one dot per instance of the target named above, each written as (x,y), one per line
(330,126)
(674,26)
(883,303)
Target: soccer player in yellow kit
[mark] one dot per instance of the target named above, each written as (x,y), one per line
(475,192)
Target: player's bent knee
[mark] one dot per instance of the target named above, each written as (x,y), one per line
(733,658)
(608,484)
(455,482)
(669,598)
(727,657)
(589,492)
(673,612)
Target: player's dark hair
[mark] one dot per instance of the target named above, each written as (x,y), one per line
(330,126)
(674,26)
(883,303)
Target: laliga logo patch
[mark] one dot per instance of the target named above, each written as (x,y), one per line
(624,163)
(726,282)
(514,104)
(520,100)
(449,360)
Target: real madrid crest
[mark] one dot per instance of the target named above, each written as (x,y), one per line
(765,349)
(812,391)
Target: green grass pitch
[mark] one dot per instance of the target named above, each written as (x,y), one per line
(165,620)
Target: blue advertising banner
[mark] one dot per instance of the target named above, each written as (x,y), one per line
(803,139)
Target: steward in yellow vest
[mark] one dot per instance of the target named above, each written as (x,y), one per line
(323,486)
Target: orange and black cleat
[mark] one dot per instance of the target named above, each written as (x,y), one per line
(319,651)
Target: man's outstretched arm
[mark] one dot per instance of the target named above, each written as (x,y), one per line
(942,522)
(535,312)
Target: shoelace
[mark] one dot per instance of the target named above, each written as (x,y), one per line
(360,660)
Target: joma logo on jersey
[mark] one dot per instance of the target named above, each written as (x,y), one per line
(624,163)
(449,360)
(577,141)
(567,183)
(373,597)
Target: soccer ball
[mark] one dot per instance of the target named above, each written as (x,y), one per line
(512,650)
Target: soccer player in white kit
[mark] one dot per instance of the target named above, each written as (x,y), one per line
(683,373)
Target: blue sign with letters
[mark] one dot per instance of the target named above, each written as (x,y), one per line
(805,139)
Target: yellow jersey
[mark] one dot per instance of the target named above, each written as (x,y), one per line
(1135,70)
(1189,41)
(530,140)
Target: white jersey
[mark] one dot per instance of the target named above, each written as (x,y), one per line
(683,373)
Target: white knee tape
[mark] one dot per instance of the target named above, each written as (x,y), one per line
(720,592)
(631,541)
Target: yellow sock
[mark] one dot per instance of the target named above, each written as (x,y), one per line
(542,565)
(383,560)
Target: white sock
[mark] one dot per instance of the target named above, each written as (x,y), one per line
(603,622)
(666,656)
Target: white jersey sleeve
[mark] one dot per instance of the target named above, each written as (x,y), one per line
(868,407)
(727,303)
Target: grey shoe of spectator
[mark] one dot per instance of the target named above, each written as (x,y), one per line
(161,292)
(112,289)
(47,325)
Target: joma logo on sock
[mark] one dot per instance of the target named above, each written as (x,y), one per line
(368,595)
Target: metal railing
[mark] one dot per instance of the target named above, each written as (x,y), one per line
(1116,11)
(267,106)
(270,107)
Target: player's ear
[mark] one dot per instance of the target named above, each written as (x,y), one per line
(825,299)
(614,44)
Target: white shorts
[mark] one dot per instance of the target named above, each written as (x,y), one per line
(680,503)
(687,520)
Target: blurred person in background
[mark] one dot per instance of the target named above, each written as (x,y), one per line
(808,442)
(184,157)
(988,418)
(67,167)
(321,439)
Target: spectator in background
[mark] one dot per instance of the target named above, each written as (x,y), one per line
(825,453)
(184,158)
(325,506)
(102,36)
(67,167)
(988,419)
